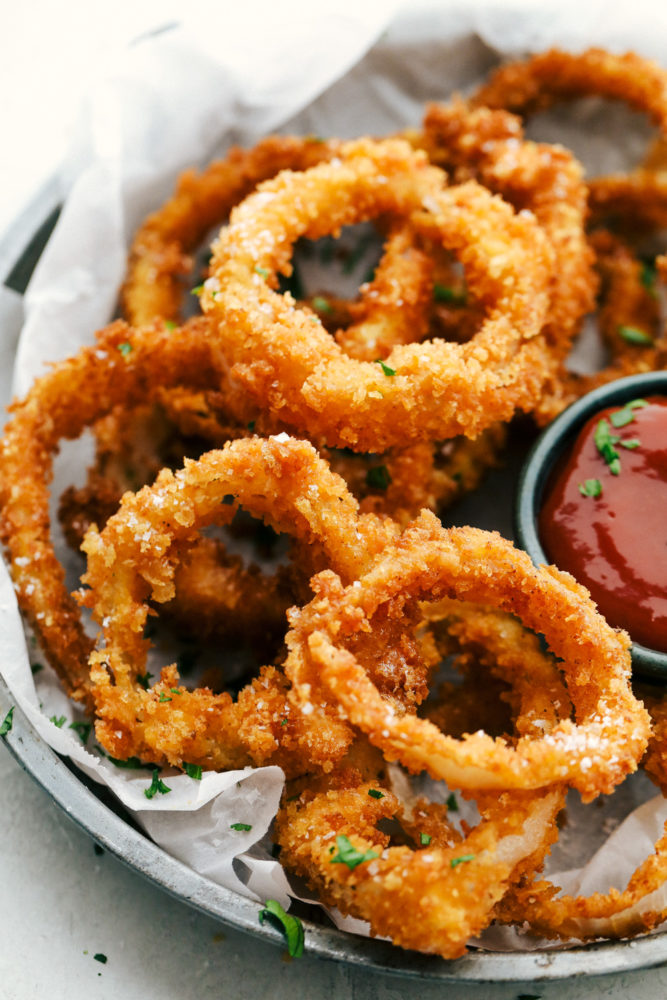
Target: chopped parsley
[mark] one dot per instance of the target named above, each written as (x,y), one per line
(241,827)
(424,839)
(156,785)
(125,348)
(648,276)
(349,855)
(170,324)
(322,305)
(385,368)
(590,488)
(443,293)
(283,722)
(164,697)
(143,680)
(193,771)
(262,271)
(461,860)
(604,442)
(375,793)
(82,730)
(131,762)
(99,957)
(7,722)
(175,691)
(58,721)
(452,804)
(632,335)
(291,926)
(378,477)
(620,418)
(197,290)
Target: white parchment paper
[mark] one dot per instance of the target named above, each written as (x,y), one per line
(181,98)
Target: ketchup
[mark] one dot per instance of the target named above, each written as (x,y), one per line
(605,517)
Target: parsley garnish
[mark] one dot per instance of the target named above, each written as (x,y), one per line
(590,488)
(620,418)
(193,771)
(604,442)
(163,697)
(175,691)
(322,305)
(378,477)
(452,804)
(197,290)
(385,368)
(442,293)
(263,271)
(375,793)
(283,722)
(82,730)
(170,324)
(144,679)
(630,443)
(461,860)
(349,855)
(648,276)
(99,957)
(125,348)
(156,785)
(424,839)
(631,335)
(291,926)
(58,721)
(131,762)
(7,722)
(242,827)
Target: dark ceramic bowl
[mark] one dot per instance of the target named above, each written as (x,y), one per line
(556,440)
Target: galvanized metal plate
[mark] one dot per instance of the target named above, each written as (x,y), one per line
(93,808)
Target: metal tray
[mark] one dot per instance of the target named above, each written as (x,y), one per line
(95,810)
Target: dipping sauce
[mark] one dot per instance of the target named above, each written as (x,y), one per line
(604,518)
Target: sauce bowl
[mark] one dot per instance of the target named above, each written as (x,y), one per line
(553,444)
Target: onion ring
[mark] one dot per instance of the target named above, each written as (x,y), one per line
(440,390)
(288,485)
(431,899)
(120,367)
(544,79)
(428,562)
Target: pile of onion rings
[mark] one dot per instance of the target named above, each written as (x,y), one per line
(342,427)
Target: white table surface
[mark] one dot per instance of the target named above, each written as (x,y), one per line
(60,903)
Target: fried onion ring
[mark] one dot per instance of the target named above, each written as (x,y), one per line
(439,389)
(547,78)
(97,379)
(593,754)
(284,482)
